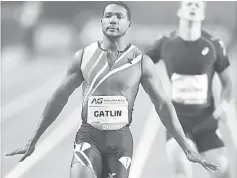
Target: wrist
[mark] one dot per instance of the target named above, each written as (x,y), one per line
(186,147)
(187,151)
(33,141)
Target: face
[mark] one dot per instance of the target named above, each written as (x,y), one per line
(192,10)
(115,22)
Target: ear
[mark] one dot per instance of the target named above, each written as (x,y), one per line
(130,23)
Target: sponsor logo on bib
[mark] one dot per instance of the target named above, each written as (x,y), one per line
(189,89)
(108,112)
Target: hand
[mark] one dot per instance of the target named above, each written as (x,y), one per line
(27,151)
(220,110)
(196,158)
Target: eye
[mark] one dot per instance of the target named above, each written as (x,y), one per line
(189,4)
(119,16)
(107,15)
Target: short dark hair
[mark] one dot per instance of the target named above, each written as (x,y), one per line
(122,4)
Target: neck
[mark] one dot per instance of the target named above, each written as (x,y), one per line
(189,30)
(113,45)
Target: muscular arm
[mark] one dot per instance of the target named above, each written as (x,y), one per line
(60,97)
(164,108)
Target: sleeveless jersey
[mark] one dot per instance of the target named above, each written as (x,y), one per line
(109,87)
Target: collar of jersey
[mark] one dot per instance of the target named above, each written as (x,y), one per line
(127,47)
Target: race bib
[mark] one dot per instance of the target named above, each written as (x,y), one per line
(108,112)
(189,89)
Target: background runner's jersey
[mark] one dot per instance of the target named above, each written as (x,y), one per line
(190,67)
(122,79)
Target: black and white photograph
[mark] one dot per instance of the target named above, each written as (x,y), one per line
(118,89)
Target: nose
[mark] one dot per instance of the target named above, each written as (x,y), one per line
(113,20)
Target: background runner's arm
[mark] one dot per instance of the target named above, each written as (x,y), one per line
(164,107)
(227,99)
(227,92)
(226,96)
(222,68)
(60,97)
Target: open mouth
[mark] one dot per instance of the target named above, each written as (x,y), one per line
(192,13)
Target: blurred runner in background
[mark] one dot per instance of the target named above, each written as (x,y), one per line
(29,17)
(192,56)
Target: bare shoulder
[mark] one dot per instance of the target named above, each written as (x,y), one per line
(147,60)
(148,67)
(75,65)
(78,55)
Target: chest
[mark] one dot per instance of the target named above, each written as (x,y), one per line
(189,57)
(113,75)
(123,80)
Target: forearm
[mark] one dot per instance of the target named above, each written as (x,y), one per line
(225,104)
(227,92)
(55,105)
(170,120)
(52,109)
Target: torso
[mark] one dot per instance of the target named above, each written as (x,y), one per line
(190,66)
(103,82)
